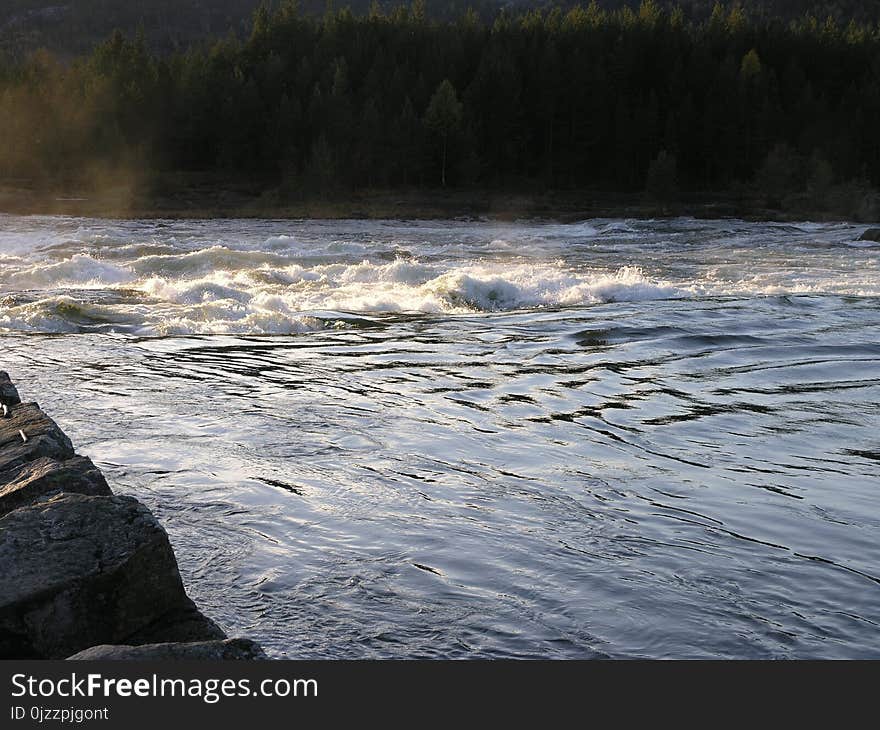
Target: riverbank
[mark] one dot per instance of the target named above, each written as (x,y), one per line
(86,574)
(201,197)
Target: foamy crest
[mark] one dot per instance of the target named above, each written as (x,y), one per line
(266,299)
(199,291)
(203,262)
(79,270)
(269,277)
(253,323)
(64,314)
(411,286)
(627,284)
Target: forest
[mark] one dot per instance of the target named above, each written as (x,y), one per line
(653,98)
(71,27)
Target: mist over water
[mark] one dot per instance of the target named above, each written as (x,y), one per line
(468,439)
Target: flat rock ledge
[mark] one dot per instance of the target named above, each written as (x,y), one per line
(86,574)
(227,649)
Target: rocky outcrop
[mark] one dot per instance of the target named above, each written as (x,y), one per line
(872,234)
(81,567)
(81,571)
(182,625)
(26,434)
(197,651)
(45,477)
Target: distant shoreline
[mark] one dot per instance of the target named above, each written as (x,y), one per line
(229,201)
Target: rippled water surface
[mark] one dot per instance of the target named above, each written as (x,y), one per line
(465,439)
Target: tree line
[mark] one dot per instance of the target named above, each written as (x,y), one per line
(72,28)
(540,100)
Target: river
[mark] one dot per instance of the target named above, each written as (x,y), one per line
(463,439)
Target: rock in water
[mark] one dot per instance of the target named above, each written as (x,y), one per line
(79,571)
(872,234)
(44,438)
(81,568)
(184,624)
(46,477)
(230,649)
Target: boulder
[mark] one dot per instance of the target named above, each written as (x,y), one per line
(42,437)
(185,624)
(872,234)
(79,571)
(46,477)
(8,393)
(230,649)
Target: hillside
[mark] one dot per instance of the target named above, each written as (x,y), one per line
(72,28)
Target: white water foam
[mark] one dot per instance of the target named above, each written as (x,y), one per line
(240,277)
(79,270)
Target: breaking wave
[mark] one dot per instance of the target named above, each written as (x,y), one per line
(79,270)
(220,297)
(213,277)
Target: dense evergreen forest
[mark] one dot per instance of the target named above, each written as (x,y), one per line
(575,98)
(72,27)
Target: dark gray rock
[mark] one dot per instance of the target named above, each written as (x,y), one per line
(42,437)
(230,649)
(80,571)
(872,234)
(46,477)
(8,393)
(184,624)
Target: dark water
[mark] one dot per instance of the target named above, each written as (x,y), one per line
(617,438)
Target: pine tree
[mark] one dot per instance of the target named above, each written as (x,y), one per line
(443,118)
